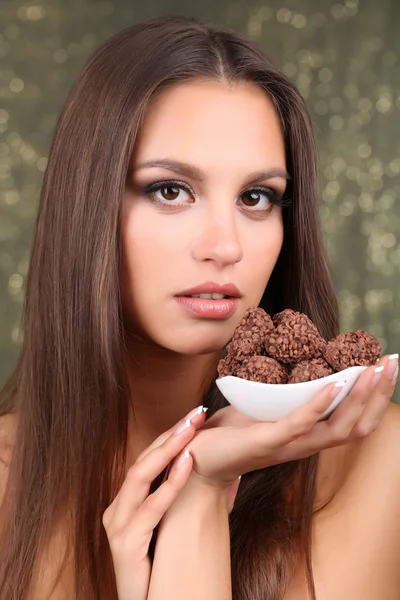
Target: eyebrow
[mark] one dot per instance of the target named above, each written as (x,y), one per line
(198,175)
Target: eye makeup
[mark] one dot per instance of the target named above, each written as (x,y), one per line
(175,187)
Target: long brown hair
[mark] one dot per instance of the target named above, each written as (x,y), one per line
(69,388)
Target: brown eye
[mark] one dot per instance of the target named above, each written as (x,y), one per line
(169,192)
(251,198)
(256,200)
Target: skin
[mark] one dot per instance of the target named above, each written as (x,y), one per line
(217,238)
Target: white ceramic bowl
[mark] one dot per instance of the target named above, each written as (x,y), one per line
(270,402)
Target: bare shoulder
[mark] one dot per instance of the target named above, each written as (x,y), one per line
(377,459)
(348,469)
(358,533)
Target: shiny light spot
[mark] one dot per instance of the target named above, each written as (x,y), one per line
(388,240)
(299,21)
(352,172)
(16,85)
(283,15)
(289,69)
(350,90)
(42,163)
(35,13)
(366,202)
(384,104)
(15,281)
(11,197)
(60,56)
(364,104)
(325,75)
(364,150)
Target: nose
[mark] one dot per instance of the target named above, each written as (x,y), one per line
(218,239)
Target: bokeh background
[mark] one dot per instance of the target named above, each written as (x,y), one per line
(344,57)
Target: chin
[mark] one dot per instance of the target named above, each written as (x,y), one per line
(192,345)
(195,348)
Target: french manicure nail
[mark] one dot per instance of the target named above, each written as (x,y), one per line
(195,412)
(182,459)
(337,388)
(376,377)
(183,427)
(392,365)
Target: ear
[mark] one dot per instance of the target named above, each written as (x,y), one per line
(232,492)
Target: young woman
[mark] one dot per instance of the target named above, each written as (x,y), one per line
(183,163)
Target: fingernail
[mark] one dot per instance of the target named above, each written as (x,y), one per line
(197,411)
(183,427)
(337,388)
(193,413)
(395,375)
(392,365)
(376,377)
(182,459)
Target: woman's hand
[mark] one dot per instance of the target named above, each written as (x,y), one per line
(130,519)
(230,443)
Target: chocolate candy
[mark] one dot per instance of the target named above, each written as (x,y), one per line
(295,338)
(290,349)
(263,369)
(228,366)
(249,336)
(308,370)
(354,348)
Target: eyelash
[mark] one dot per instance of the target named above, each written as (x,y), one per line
(275,198)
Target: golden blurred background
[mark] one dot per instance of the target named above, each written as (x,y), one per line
(344,57)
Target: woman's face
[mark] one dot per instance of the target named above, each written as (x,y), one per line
(209,215)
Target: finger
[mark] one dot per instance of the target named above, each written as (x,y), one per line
(196,416)
(264,438)
(379,399)
(156,505)
(303,419)
(130,544)
(136,485)
(345,416)
(323,435)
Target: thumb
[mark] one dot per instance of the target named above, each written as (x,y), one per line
(232,492)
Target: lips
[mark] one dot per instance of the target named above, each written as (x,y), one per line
(210,300)
(228,290)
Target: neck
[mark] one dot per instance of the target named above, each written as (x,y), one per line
(164,387)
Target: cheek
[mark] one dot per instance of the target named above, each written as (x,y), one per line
(261,253)
(150,251)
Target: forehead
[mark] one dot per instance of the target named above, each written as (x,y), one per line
(206,122)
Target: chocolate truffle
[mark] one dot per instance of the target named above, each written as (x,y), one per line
(263,369)
(354,348)
(249,336)
(308,370)
(228,366)
(295,338)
